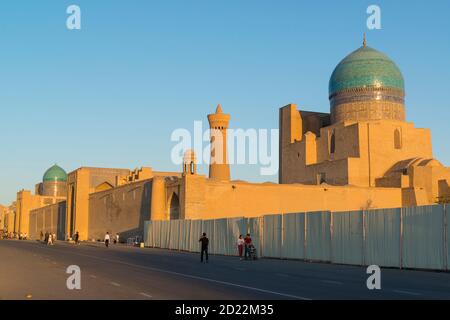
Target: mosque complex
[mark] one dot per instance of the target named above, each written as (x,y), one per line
(362,155)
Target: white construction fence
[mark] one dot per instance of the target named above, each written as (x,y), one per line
(416,237)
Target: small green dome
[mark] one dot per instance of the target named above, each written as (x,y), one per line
(55,173)
(364,68)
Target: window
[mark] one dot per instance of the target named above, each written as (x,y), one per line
(397,139)
(332,143)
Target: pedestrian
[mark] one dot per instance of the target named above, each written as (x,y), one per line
(248,243)
(46,237)
(205,242)
(117,237)
(41,236)
(50,240)
(240,245)
(77,236)
(107,238)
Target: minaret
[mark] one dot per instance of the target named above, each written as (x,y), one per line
(218,123)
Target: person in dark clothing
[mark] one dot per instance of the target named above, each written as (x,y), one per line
(204,242)
(247,243)
(77,237)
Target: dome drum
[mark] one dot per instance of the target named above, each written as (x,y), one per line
(54,189)
(362,104)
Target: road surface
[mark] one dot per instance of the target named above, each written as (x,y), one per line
(31,270)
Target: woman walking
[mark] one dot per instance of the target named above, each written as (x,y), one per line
(107,239)
(240,245)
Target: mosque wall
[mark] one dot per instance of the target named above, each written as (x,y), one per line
(80,183)
(9,222)
(346,153)
(241,199)
(379,150)
(50,218)
(27,202)
(2,217)
(121,210)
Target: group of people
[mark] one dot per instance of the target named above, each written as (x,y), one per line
(48,238)
(244,245)
(4,234)
(108,239)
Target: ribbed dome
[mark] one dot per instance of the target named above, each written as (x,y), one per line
(365,68)
(56,174)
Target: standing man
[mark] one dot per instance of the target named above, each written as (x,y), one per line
(117,237)
(107,238)
(77,236)
(205,242)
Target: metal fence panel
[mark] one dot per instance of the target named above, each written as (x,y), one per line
(447,235)
(235,228)
(423,237)
(174,237)
(293,245)
(272,235)
(382,245)
(347,237)
(147,233)
(196,231)
(156,231)
(185,227)
(165,234)
(254,226)
(221,236)
(318,236)
(208,228)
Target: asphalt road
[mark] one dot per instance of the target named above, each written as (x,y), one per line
(31,270)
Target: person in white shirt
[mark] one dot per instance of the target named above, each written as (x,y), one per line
(117,237)
(107,238)
(240,245)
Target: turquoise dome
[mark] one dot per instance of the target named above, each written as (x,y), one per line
(55,174)
(366,68)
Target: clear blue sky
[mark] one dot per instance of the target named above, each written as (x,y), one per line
(111,94)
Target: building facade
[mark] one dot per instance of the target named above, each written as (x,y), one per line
(363,154)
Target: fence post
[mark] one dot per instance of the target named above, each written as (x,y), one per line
(363,249)
(305,239)
(401,238)
(282,236)
(445,238)
(261,235)
(331,235)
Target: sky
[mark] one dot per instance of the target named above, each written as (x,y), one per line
(112,93)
